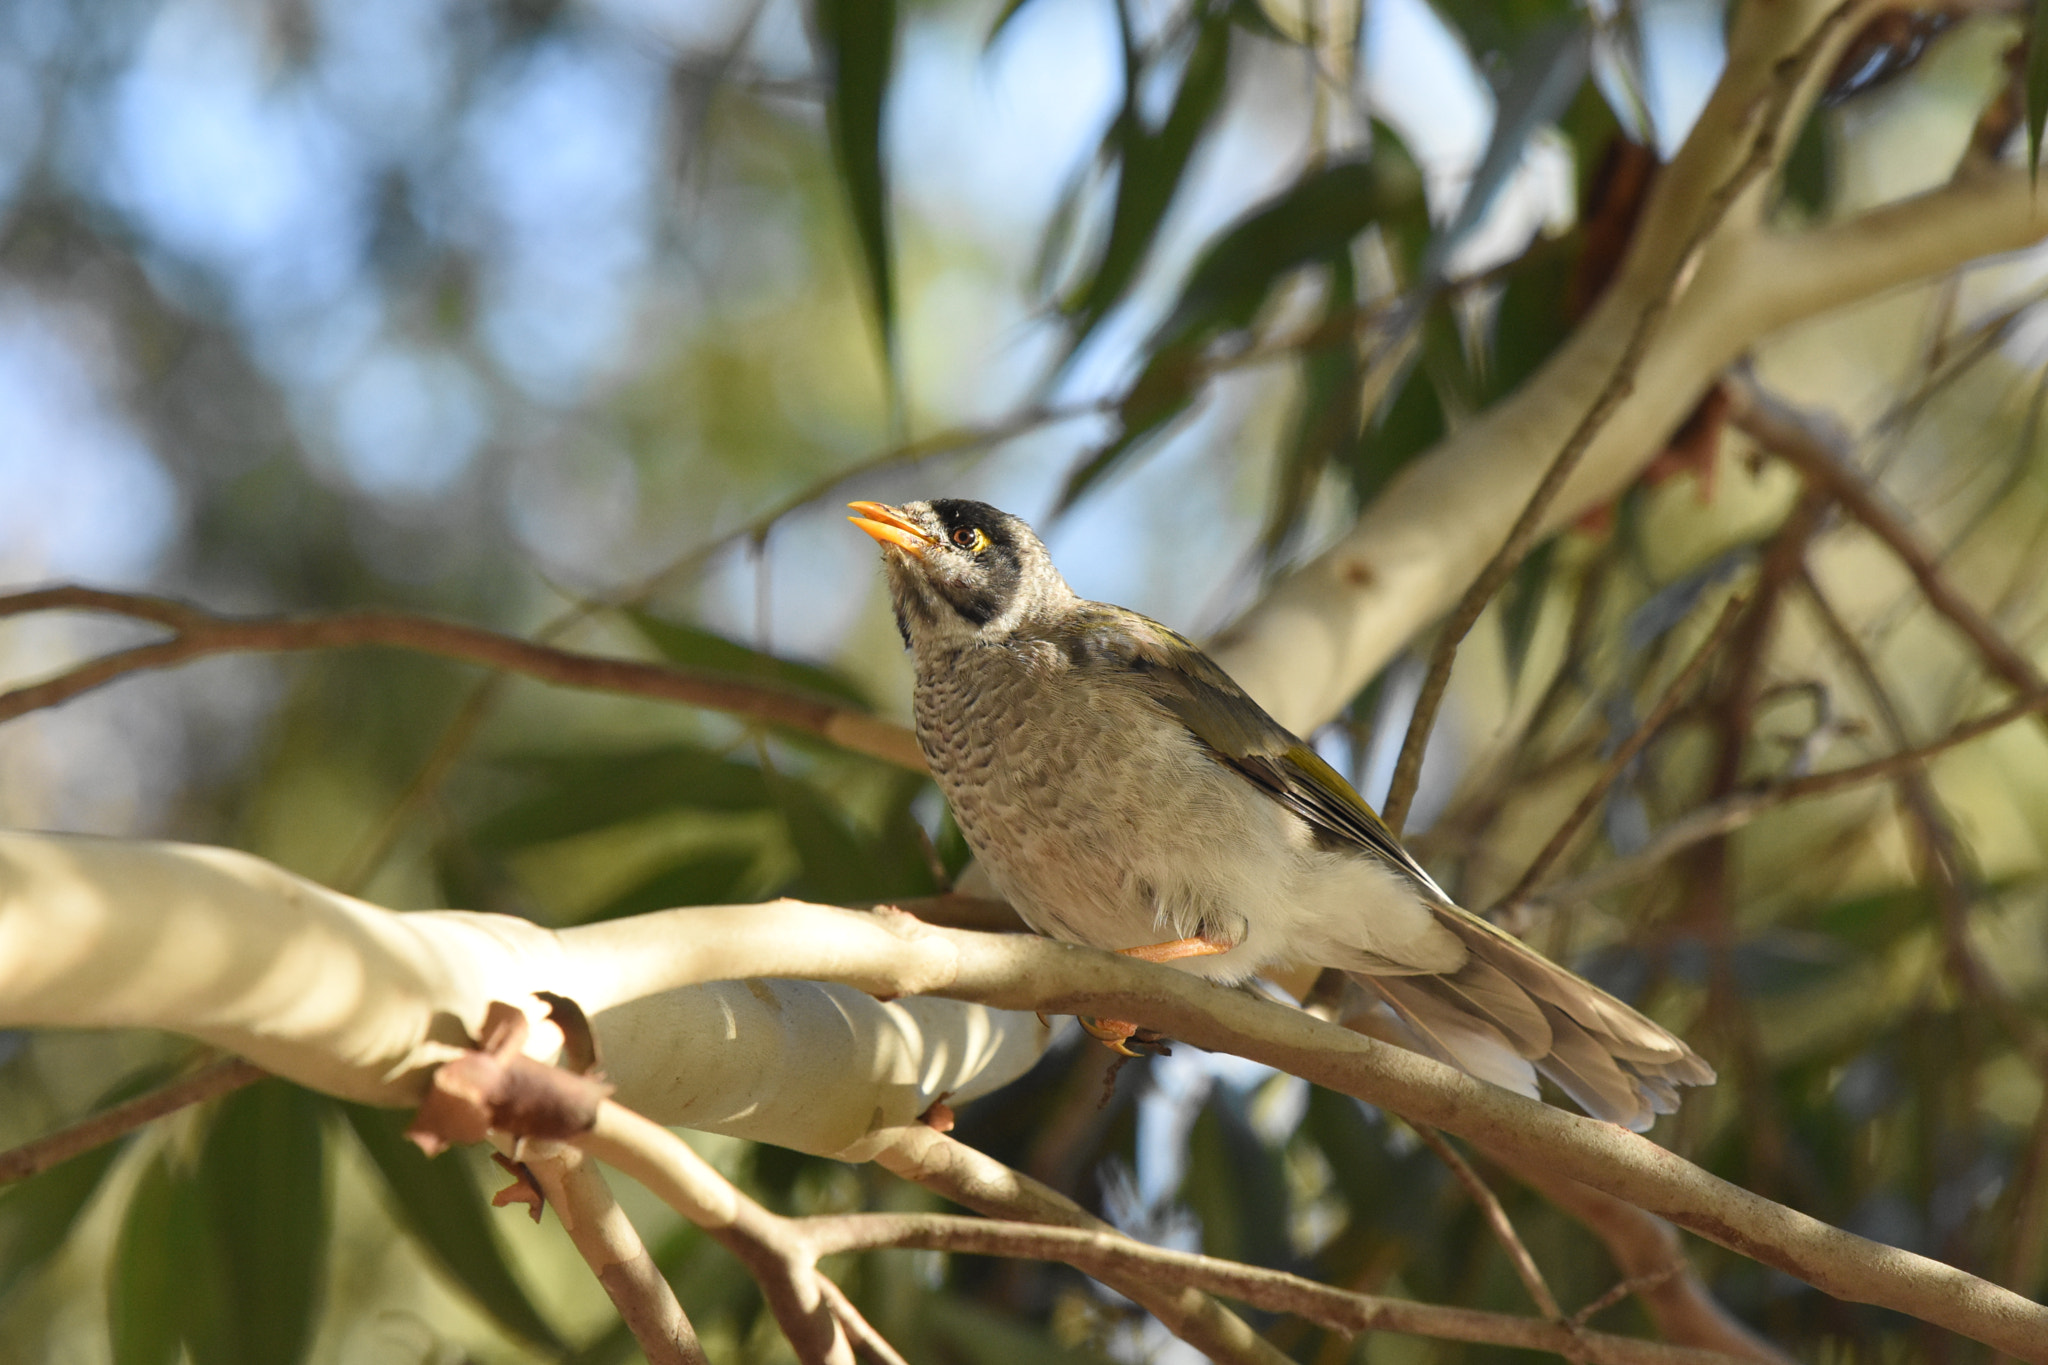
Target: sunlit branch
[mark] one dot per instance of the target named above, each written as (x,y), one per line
(977,1181)
(199,634)
(1762,155)
(442,967)
(783,1252)
(1339,1310)
(612,1248)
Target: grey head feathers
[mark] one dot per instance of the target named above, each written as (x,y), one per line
(978,575)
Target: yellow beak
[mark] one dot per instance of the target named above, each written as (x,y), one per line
(891,527)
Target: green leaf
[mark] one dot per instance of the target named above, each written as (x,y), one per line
(2037,85)
(262,1178)
(1153,163)
(1548,69)
(1806,166)
(974,1335)
(161,1274)
(37,1214)
(1414,421)
(1327,415)
(716,876)
(578,793)
(858,42)
(695,647)
(1312,220)
(1530,322)
(440,1203)
(842,864)
(1162,392)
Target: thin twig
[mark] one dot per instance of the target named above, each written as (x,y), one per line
(1497,1222)
(96,1130)
(1626,752)
(783,1253)
(1620,384)
(980,1182)
(1337,1310)
(1811,446)
(200,634)
(1653,1265)
(612,1248)
(1940,844)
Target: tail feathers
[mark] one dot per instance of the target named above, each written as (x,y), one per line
(1449,1033)
(1509,1013)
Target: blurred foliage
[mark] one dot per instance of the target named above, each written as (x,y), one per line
(497,310)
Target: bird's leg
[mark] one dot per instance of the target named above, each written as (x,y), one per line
(1116,1034)
(1201,945)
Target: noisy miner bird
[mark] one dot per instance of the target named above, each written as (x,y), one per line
(1123,792)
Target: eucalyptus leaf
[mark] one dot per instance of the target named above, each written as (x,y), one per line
(2037,84)
(858,42)
(577,793)
(153,1293)
(1152,163)
(697,648)
(717,876)
(262,1177)
(38,1213)
(440,1203)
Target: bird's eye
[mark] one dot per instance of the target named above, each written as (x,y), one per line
(971,538)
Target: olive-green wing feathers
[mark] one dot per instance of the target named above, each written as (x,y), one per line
(1239,733)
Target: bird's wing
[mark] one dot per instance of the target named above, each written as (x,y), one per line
(1237,730)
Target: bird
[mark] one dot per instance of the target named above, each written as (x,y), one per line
(1122,791)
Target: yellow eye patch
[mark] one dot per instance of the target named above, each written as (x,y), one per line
(971,539)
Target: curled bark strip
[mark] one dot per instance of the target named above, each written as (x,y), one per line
(498,1087)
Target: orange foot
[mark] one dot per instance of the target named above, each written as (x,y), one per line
(1117,1034)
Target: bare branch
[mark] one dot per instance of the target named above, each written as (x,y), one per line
(612,1248)
(895,954)
(96,1130)
(464,962)
(1339,1310)
(1626,752)
(783,1263)
(1497,1223)
(1821,453)
(980,1182)
(1654,1267)
(200,634)
(1787,78)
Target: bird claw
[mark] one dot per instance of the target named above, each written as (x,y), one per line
(1117,1035)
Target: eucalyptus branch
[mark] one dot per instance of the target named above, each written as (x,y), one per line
(1497,1222)
(1625,753)
(1654,1267)
(782,1253)
(1788,77)
(612,1248)
(1321,632)
(198,634)
(977,1181)
(1339,1310)
(1821,453)
(97,1130)
(77,911)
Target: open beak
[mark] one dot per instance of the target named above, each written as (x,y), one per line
(891,527)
